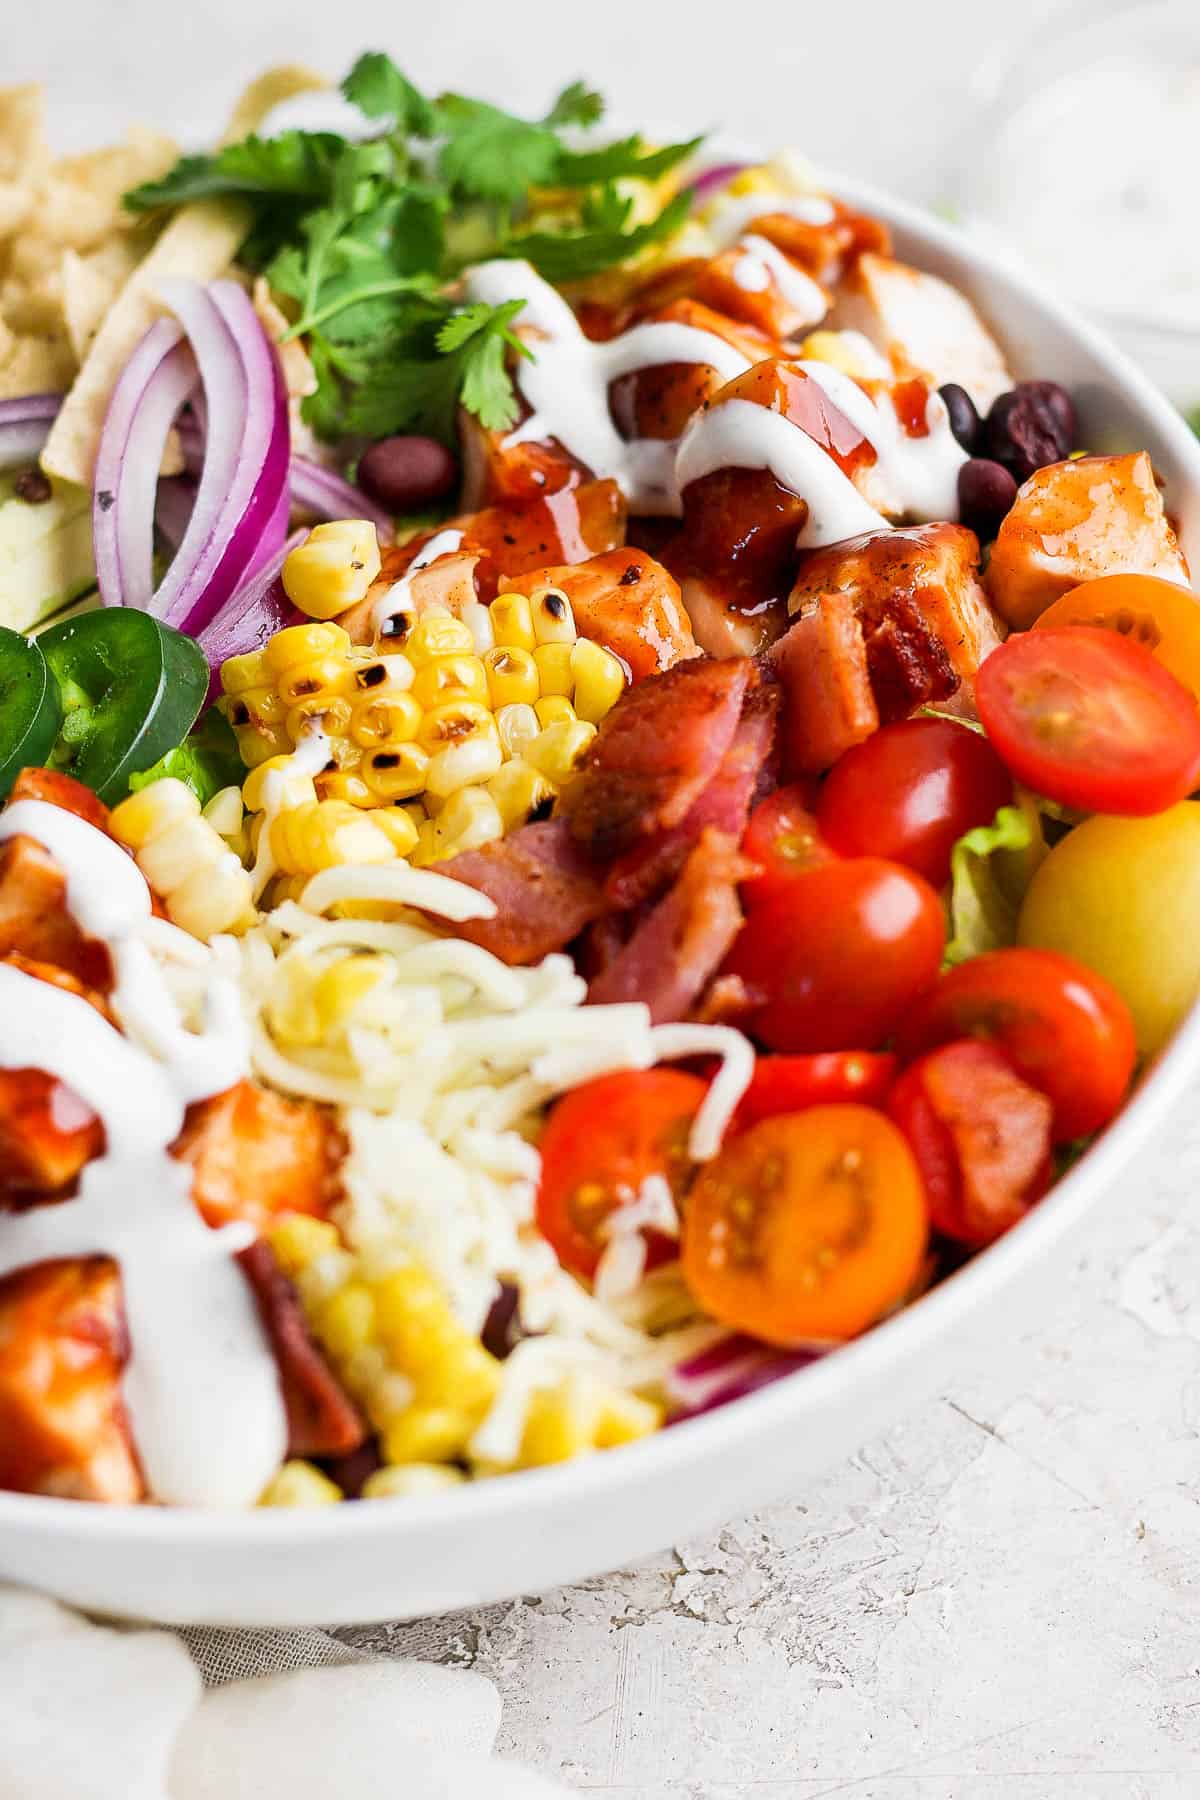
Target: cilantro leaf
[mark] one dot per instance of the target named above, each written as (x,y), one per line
(578,104)
(417,380)
(378,88)
(599,243)
(480,336)
(628,158)
(298,164)
(491,155)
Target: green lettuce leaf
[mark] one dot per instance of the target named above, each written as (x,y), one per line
(990,869)
(206,761)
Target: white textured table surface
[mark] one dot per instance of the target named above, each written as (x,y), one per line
(1001,1596)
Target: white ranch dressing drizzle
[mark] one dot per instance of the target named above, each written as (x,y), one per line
(921,472)
(733,213)
(201,1384)
(798,288)
(310,756)
(398,598)
(567,386)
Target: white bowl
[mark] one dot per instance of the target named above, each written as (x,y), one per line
(527,1532)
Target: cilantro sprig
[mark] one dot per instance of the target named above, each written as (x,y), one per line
(366,237)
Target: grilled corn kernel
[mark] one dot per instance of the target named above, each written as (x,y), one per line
(299,643)
(553,620)
(224,812)
(512,621)
(298,1239)
(397,827)
(517,725)
(469,818)
(153,811)
(425,850)
(385,718)
(330,711)
(455,723)
(512,676)
(296,788)
(314,675)
(300,1484)
(478,621)
(393,672)
(217,896)
(406,1481)
(837,348)
(475,759)
(599,680)
(438,634)
(256,747)
(347,785)
(556,750)
(345,1322)
(333,568)
(554,669)
(552,710)
(323,834)
(240,673)
(185,844)
(425,1434)
(518,789)
(257,706)
(624,1418)
(442,679)
(561,1423)
(397,772)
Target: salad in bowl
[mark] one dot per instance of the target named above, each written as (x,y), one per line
(588,777)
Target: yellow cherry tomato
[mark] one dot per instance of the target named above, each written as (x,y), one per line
(1161,615)
(1123,896)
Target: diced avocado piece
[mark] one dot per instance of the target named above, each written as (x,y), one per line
(45,551)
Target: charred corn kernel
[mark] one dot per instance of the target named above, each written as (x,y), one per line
(388,718)
(512,621)
(425,850)
(455,723)
(442,679)
(518,789)
(407,1481)
(224,812)
(331,712)
(397,628)
(153,811)
(552,710)
(478,621)
(298,1239)
(438,634)
(396,773)
(348,785)
(512,676)
(469,818)
(553,620)
(314,675)
(393,672)
(323,834)
(475,759)
(256,706)
(241,673)
(556,750)
(300,1484)
(554,669)
(333,568)
(256,747)
(598,678)
(345,1322)
(300,643)
(397,826)
(296,787)
(517,725)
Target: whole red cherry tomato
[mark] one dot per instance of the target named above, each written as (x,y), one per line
(786,1084)
(784,840)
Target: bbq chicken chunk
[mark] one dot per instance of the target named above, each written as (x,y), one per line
(923,326)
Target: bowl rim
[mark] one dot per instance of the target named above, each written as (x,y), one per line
(691,1442)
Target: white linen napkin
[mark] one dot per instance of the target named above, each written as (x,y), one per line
(92,1712)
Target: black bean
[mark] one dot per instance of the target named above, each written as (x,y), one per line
(965,422)
(1032,425)
(404,473)
(502,1329)
(986,491)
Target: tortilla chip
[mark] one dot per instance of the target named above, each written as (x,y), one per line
(299,376)
(266,92)
(90,285)
(200,243)
(16,205)
(33,307)
(24,152)
(33,365)
(81,201)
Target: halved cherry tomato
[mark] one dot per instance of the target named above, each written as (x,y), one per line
(981,1137)
(806,1228)
(1064,1029)
(909,791)
(783,838)
(600,1143)
(835,959)
(1091,719)
(787,1084)
(1160,615)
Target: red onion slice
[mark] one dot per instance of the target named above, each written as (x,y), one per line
(173,506)
(251,615)
(152,387)
(24,427)
(728,1370)
(321,491)
(709,181)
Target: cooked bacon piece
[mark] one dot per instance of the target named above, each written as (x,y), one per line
(923,326)
(255,1154)
(654,755)
(322,1420)
(546,891)
(62,790)
(746,287)
(824,250)
(724,805)
(925,616)
(828,705)
(1098,515)
(62,1348)
(626,601)
(674,952)
(34,921)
